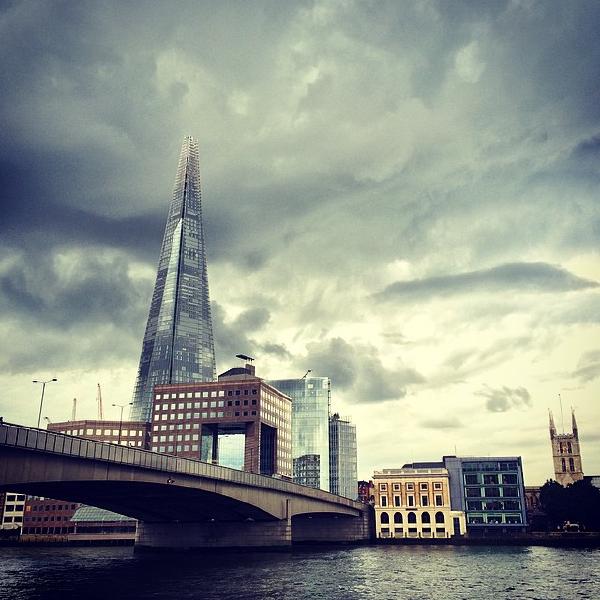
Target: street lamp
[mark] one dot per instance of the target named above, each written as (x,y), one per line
(42,398)
(121,406)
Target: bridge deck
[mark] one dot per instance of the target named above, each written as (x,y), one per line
(19,436)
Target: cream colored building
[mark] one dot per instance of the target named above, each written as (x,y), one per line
(414,502)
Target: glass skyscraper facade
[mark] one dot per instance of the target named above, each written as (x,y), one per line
(178,342)
(310,428)
(342,457)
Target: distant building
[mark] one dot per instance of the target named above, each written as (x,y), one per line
(127,433)
(566,453)
(414,502)
(310,428)
(12,511)
(47,516)
(342,457)
(366,491)
(93,524)
(192,419)
(490,491)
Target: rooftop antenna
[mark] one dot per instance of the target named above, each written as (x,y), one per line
(562,421)
(74,411)
(307,372)
(99,398)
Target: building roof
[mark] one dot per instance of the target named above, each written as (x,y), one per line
(93,514)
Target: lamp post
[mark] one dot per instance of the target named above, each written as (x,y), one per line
(121,406)
(42,398)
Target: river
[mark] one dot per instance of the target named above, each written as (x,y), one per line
(379,572)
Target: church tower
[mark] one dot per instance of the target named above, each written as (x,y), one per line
(566,453)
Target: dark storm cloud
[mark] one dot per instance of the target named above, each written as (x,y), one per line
(504,399)
(357,368)
(588,367)
(62,291)
(233,337)
(521,277)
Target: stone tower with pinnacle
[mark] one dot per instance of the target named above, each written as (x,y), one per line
(566,453)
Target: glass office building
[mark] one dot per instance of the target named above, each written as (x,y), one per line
(342,457)
(178,342)
(490,491)
(310,428)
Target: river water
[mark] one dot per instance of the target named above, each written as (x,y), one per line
(379,572)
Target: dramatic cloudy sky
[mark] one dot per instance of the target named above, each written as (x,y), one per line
(403,196)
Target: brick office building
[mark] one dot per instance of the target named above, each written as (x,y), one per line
(126,433)
(189,419)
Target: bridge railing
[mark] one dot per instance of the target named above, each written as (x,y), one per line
(67,445)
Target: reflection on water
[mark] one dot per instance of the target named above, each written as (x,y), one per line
(379,572)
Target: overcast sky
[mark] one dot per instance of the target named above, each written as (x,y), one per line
(402,196)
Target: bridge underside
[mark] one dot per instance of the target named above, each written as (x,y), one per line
(181,511)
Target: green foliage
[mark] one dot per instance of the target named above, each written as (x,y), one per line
(577,503)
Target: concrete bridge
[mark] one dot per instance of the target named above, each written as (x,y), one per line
(179,503)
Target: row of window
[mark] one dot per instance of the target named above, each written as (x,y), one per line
(492,492)
(571,465)
(205,394)
(491,478)
(410,500)
(15,497)
(50,518)
(502,519)
(423,486)
(411,517)
(45,507)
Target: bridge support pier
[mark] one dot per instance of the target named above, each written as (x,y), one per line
(322,529)
(244,534)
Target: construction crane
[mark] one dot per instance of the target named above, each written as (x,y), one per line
(99,398)
(74,411)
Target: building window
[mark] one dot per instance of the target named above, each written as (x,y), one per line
(439,517)
(397,501)
(571,465)
(385,518)
(383,487)
(397,517)
(396,487)
(423,486)
(424,501)
(412,518)
(383,500)
(410,499)
(437,485)
(564,465)
(410,486)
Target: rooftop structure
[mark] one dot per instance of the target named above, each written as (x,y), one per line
(566,452)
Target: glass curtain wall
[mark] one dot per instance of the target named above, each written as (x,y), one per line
(178,342)
(310,428)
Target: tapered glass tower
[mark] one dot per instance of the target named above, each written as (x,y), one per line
(178,343)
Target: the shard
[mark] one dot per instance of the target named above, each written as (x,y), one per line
(178,343)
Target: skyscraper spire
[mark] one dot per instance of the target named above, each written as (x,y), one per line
(178,343)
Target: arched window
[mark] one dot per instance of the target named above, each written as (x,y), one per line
(425,518)
(564,465)
(439,517)
(385,518)
(571,465)
(412,518)
(397,517)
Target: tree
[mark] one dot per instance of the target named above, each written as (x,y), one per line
(578,503)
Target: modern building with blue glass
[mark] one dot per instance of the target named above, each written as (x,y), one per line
(343,479)
(490,490)
(178,342)
(310,428)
